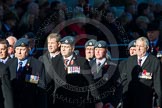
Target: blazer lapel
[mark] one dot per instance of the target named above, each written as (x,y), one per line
(14,69)
(96,73)
(146,61)
(60,69)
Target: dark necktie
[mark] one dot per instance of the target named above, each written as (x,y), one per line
(19,71)
(66,63)
(98,66)
(139,62)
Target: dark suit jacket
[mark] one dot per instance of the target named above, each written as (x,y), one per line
(26,93)
(6,99)
(154,50)
(46,60)
(123,75)
(140,90)
(110,89)
(69,84)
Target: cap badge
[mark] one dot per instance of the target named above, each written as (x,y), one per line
(99,45)
(66,41)
(90,43)
(22,44)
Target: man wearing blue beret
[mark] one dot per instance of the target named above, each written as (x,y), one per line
(75,72)
(106,71)
(89,49)
(27,77)
(132,48)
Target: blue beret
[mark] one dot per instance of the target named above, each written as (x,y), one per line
(68,40)
(22,42)
(131,44)
(101,44)
(90,42)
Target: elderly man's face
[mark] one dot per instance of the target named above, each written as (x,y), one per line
(100,53)
(3,51)
(132,51)
(89,52)
(141,48)
(21,52)
(66,50)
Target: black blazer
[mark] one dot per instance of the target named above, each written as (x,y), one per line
(26,93)
(109,77)
(140,90)
(154,50)
(68,84)
(6,99)
(46,60)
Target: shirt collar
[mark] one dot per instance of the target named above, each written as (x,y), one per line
(4,60)
(23,62)
(69,58)
(54,54)
(102,61)
(143,58)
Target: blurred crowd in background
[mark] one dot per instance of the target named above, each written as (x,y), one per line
(41,17)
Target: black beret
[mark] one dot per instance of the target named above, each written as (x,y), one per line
(131,44)
(68,40)
(90,42)
(22,42)
(153,26)
(101,44)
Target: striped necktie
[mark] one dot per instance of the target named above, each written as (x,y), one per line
(139,62)
(20,69)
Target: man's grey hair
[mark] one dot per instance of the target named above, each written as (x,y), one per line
(143,39)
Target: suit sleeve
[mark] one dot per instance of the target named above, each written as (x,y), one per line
(157,83)
(6,89)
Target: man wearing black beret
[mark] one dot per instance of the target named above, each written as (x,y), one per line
(27,77)
(155,41)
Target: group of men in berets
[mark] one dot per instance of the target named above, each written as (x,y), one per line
(61,78)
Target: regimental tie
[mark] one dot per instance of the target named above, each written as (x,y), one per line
(20,69)
(98,66)
(139,62)
(66,63)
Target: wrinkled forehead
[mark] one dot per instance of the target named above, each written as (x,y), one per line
(22,47)
(141,43)
(66,45)
(89,47)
